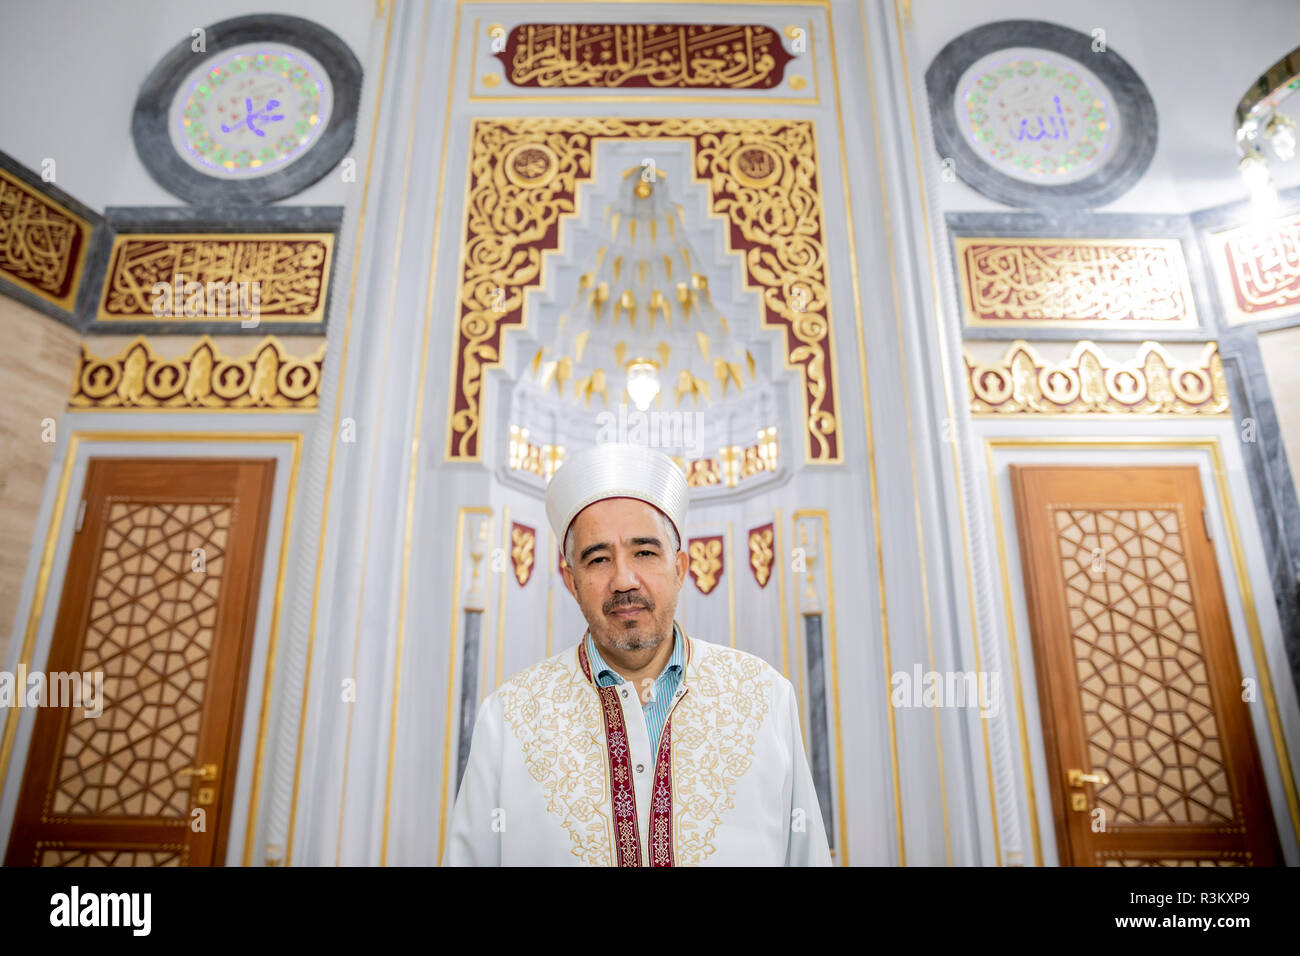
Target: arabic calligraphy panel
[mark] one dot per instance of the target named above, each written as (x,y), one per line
(218,277)
(42,245)
(1131,282)
(1258,269)
(731,56)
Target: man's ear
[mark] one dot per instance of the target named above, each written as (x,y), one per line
(567,574)
(683,563)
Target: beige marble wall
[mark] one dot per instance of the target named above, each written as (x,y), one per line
(38,360)
(1280,350)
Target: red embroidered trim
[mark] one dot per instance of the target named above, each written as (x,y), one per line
(661,801)
(627,839)
(626,834)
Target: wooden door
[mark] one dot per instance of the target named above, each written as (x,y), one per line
(1139,684)
(160,597)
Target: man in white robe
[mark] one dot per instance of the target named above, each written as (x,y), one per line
(639,746)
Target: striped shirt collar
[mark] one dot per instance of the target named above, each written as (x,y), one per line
(606,676)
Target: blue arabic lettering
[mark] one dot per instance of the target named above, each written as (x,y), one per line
(1056,122)
(251,115)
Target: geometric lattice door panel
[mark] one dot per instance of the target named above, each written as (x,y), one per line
(1150,749)
(158,603)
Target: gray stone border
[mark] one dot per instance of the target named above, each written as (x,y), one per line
(1272,489)
(197,219)
(88,291)
(1114,178)
(1085,225)
(149,122)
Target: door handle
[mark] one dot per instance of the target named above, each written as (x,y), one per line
(206,772)
(1077,778)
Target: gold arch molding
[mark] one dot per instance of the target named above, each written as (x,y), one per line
(204,378)
(762,179)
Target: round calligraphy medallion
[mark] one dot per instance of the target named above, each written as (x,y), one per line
(251,110)
(1037,116)
(248,110)
(531,164)
(756,166)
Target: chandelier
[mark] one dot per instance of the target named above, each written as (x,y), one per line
(1258,118)
(643,317)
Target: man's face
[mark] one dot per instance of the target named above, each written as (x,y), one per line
(625,575)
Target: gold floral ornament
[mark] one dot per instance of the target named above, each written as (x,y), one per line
(514,214)
(701,472)
(541,460)
(522,541)
(706,562)
(742,463)
(644,316)
(203,378)
(761,554)
(1090,383)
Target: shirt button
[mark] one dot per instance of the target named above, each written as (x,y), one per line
(624,693)
(640,768)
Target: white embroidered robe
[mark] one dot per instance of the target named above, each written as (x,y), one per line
(546,784)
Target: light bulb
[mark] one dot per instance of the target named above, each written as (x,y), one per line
(1281,134)
(1254,169)
(1254,172)
(642,383)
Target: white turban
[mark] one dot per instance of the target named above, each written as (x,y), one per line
(615,471)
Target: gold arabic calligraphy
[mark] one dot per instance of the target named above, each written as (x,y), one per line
(708,55)
(1075,280)
(42,246)
(292,272)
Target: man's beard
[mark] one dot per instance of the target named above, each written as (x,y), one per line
(633,639)
(641,637)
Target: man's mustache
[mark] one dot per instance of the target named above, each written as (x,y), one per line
(628,600)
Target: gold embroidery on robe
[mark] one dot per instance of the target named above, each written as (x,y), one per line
(555,716)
